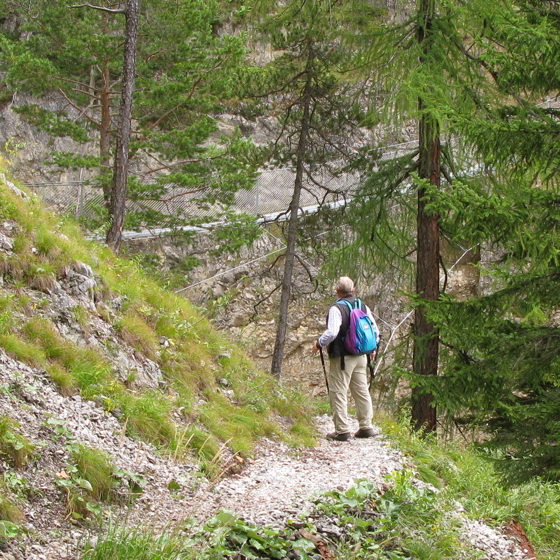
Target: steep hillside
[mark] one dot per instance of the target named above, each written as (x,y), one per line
(109,383)
(129,428)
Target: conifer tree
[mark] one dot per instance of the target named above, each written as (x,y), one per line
(501,362)
(185,75)
(120,168)
(316,118)
(416,66)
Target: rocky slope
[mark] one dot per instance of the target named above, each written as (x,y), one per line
(274,487)
(274,484)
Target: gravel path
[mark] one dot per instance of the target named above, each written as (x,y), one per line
(280,481)
(275,486)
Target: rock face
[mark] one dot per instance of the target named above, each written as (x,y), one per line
(78,288)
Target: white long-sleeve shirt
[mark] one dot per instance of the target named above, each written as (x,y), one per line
(334,322)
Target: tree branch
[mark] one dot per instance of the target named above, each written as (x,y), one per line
(312,281)
(442,263)
(82,113)
(269,295)
(101,8)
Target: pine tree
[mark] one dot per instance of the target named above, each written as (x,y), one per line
(75,55)
(419,68)
(316,118)
(185,76)
(120,169)
(501,365)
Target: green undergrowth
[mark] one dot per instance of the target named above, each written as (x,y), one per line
(402,518)
(465,473)
(365,523)
(91,479)
(15,449)
(211,393)
(11,515)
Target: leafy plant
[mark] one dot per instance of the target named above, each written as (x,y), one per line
(96,468)
(92,478)
(9,511)
(17,484)
(14,447)
(10,515)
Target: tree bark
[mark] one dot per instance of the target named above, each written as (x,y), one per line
(278,354)
(120,169)
(104,145)
(426,347)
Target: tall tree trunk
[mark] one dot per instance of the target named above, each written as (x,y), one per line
(104,144)
(426,347)
(120,170)
(278,355)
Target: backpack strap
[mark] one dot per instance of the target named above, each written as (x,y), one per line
(349,305)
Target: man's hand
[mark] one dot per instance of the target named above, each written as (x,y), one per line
(315,347)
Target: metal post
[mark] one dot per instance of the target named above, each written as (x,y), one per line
(80,204)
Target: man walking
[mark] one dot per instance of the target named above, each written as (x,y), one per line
(346,370)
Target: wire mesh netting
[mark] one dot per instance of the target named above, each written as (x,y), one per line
(272,193)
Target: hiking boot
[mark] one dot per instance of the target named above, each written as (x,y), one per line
(365,433)
(339,437)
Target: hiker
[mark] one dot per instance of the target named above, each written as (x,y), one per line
(346,370)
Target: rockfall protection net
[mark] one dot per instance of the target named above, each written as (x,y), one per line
(272,192)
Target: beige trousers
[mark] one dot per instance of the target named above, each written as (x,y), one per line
(354,376)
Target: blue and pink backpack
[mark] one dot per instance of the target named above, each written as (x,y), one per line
(361,337)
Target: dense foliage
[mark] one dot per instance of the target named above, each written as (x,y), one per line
(502,363)
(185,75)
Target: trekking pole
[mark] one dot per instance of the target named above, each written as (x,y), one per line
(324,368)
(371,363)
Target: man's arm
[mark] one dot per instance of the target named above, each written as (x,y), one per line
(334,322)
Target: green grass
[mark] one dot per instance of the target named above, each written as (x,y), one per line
(192,364)
(136,544)
(8,209)
(241,425)
(464,474)
(81,315)
(148,417)
(14,448)
(11,515)
(45,240)
(138,334)
(96,467)
(9,510)
(74,365)
(23,351)
(63,379)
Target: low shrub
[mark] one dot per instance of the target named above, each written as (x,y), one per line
(14,447)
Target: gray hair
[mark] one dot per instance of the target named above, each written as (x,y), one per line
(345,285)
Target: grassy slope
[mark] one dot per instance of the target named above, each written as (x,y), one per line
(408,521)
(193,363)
(401,520)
